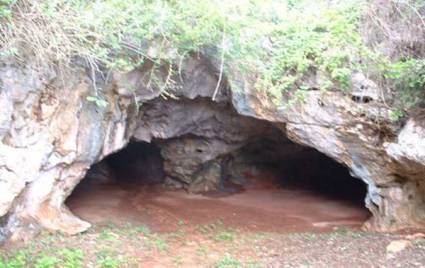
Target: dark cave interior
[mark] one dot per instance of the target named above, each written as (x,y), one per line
(293,167)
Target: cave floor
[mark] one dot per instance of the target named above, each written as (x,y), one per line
(263,226)
(260,207)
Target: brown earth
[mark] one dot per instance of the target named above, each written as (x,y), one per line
(212,245)
(260,207)
(261,226)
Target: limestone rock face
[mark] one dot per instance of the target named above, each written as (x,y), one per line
(410,145)
(50,134)
(192,129)
(388,157)
(192,133)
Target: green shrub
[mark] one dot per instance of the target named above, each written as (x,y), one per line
(107,235)
(396,115)
(109,262)
(273,44)
(5,8)
(228,261)
(408,79)
(45,261)
(72,258)
(18,260)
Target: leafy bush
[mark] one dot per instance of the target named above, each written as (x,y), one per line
(18,260)
(72,258)
(107,235)
(408,78)
(274,44)
(109,262)
(109,259)
(395,115)
(5,8)
(46,262)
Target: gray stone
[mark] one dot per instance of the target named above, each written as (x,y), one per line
(50,135)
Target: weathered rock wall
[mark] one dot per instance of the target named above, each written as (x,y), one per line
(50,135)
(194,134)
(387,156)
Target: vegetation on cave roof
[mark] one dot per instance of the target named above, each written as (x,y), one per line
(274,44)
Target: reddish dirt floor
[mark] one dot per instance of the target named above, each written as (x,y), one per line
(261,226)
(260,207)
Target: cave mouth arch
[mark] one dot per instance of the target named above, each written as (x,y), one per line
(270,186)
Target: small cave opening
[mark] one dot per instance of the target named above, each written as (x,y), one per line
(269,184)
(106,193)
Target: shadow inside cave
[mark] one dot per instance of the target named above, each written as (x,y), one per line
(286,188)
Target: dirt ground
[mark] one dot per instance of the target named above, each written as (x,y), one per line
(212,245)
(262,226)
(260,207)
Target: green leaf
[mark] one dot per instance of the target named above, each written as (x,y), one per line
(396,115)
(99,102)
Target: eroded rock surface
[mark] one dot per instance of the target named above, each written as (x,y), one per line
(361,136)
(194,133)
(50,135)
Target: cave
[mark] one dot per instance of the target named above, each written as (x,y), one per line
(268,183)
(126,131)
(198,157)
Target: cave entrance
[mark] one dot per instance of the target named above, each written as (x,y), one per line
(271,185)
(110,187)
(293,167)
